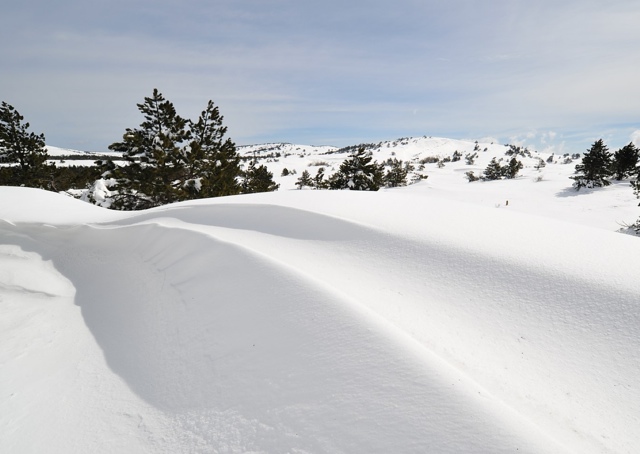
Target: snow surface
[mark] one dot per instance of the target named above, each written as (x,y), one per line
(432,318)
(57,151)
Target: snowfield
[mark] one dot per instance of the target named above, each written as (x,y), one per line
(434,318)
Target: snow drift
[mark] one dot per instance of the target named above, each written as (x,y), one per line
(314,321)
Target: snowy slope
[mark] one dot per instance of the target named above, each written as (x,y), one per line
(406,320)
(57,151)
(542,191)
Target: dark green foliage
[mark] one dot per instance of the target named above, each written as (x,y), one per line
(635,184)
(319,181)
(154,154)
(170,159)
(456,156)
(470,159)
(517,151)
(625,161)
(429,160)
(258,179)
(493,171)
(511,170)
(212,163)
(359,172)
(471,176)
(25,152)
(398,173)
(305,180)
(73,177)
(595,167)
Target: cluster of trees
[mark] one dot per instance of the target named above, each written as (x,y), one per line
(167,159)
(25,158)
(359,172)
(171,159)
(599,164)
(496,171)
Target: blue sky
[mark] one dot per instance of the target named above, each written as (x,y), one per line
(547,73)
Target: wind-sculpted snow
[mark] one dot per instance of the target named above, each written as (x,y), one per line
(311,323)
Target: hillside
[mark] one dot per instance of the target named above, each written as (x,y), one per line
(435,317)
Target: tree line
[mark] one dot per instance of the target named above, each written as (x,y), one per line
(167,159)
(359,172)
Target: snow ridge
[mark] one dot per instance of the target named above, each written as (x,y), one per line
(258,323)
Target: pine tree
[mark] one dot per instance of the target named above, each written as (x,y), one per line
(25,150)
(625,161)
(318,180)
(397,174)
(305,180)
(635,184)
(212,163)
(470,159)
(358,172)
(155,155)
(493,171)
(594,169)
(258,179)
(170,159)
(511,170)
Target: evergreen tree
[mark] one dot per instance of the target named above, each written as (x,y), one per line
(515,151)
(358,172)
(212,163)
(258,179)
(625,161)
(305,180)
(470,159)
(25,150)
(493,171)
(635,184)
(512,169)
(170,159)
(594,169)
(397,174)
(155,155)
(318,180)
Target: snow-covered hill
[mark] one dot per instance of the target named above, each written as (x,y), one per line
(431,318)
(545,191)
(56,152)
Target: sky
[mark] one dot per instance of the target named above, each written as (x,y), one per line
(548,74)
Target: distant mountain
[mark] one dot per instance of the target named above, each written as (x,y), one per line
(56,151)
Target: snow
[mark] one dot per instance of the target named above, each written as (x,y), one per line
(57,151)
(430,318)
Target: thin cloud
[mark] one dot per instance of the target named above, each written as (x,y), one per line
(312,71)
